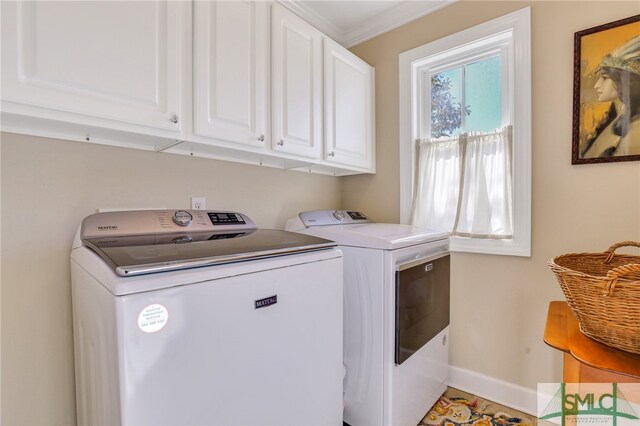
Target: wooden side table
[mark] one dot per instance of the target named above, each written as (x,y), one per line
(585,360)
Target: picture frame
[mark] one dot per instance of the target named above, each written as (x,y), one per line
(606,93)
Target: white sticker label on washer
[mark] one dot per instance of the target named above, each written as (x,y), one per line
(153,318)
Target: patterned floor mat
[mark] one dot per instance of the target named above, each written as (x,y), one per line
(459,408)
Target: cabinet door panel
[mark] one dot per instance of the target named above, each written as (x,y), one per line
(114,60)
(297,85)
(348,86)
(231,46)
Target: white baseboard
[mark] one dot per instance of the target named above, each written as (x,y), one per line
(496,390)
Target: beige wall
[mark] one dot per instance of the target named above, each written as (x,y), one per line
(499,303)
(48,186)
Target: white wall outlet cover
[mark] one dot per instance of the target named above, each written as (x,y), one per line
(198,203)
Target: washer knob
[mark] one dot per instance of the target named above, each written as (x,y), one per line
(182,218)
(338,215)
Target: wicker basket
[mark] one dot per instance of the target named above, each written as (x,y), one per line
(603,291)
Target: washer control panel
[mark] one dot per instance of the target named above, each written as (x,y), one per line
(143,222)
(332,217)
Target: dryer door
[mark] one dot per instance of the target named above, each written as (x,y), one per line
(422,303)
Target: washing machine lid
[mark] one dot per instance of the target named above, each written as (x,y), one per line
(144,242)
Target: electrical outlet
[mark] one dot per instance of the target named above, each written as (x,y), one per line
(198,203)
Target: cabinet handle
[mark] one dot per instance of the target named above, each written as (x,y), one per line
(174,118)
(331,154)
(280,142)
(261,138)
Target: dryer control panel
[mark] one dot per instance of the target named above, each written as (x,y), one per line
(332,217)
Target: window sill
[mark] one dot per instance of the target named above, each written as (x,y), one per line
(513,247)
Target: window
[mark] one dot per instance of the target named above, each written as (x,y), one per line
(465,100)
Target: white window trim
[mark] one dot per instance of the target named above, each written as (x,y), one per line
(520,23)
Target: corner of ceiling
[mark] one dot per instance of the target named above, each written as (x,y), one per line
(306,13)
(394,17)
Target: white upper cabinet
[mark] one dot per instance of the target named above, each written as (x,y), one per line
(348,108)
(236,80)
(231,71)
(115,60)
(296,53)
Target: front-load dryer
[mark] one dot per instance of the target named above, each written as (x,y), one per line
(198,317)
(396,314)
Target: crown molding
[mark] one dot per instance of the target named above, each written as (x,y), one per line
(303,11)
(395,17)
(392,19)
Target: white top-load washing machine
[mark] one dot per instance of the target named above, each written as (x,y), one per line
(197,317)
(396,314)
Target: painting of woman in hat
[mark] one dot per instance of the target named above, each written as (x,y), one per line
(618,86)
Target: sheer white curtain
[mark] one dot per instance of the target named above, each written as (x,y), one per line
(464,184)
(437,183)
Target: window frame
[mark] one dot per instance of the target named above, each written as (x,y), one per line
(467,43)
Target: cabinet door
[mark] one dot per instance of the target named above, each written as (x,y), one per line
(112,60)
(297,84)
(231,48)
(348,107)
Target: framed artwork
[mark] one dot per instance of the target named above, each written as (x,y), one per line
(606,93)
